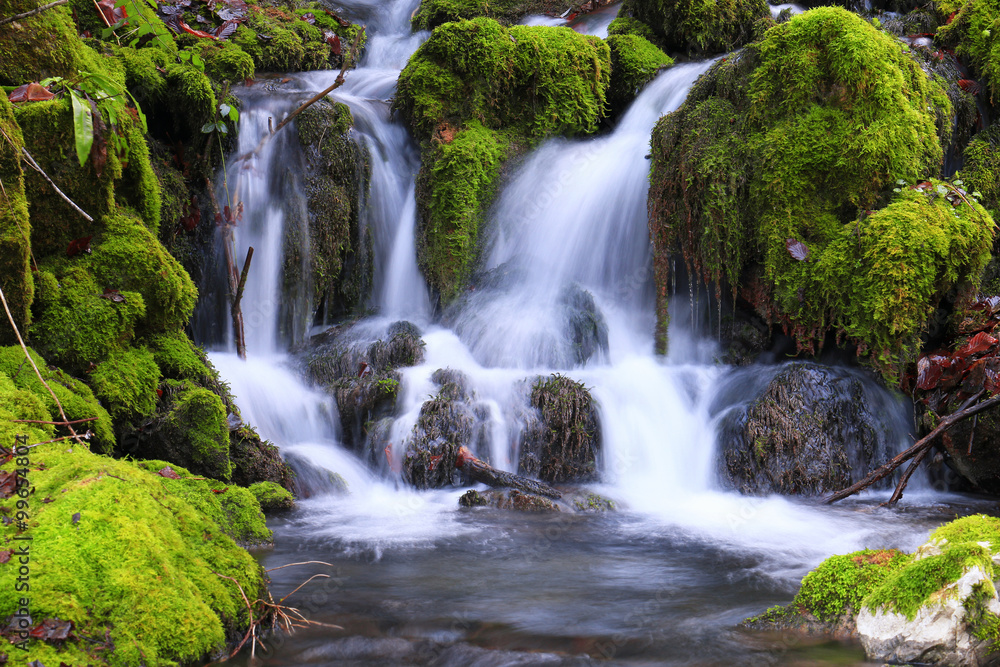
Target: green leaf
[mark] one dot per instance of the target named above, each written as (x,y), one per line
(222,127)
(958,182)
(208,128)
(83,127)
(234,114)
(224,109)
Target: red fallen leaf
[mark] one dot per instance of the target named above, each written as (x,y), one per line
(112,295)
(343,22)
(52,630)
(169,473)
(309,18)
(30,92)
(159,393)
(220,490)
(923,185)
(991,382)
(435,460)
(950,18)
(334,41)
(111,13)
(191,31)
(8,484)
(78,246)
(5,555)
(979,343)
(929,370)
(797,249)
(464,455)
(364,370)
(970,86)
(226,29)
(975,378)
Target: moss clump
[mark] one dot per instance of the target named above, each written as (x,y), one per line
(626,25)
(190,98)
(837,587)
(272,498)
(698,27)
(126,383)
(975,34)
(796,140)
(563,444)
(634,63)
(227,62)
(460,185)
(432,13)
(154,585)
(15,228)
(76,398)
(178,358)
(981,171)
(473,92)
(74,326)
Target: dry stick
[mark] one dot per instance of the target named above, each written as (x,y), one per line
(312,100)
(305,562)
(237,313)
(905,478)
(315,576)
(39,421)
(34,165)
(24,348)
(962,413)
(65,437)
(41,9)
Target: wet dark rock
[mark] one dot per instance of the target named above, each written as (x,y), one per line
(744,336)
(256,460)
(454,384)
(312,480)
(971,449)
(507,499)
(357,365)
(814,429)
(586,328)
(562,438)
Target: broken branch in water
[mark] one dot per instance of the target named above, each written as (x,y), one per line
(920,447)
(237,313)
(482,472)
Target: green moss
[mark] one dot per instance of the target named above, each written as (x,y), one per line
(432,13)
(272,497)
(698,27)
(976,528)
(155,585)
(634,63)
(228,62)
(975,35)
(126,383)
(178,358)
(76,398)
(838,586)
(15,227)
(799,137)
(626,25)
(190,97)
(74,326)
(456,192)
(196,423)
(981,171)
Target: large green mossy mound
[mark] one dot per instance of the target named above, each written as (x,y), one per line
(695,27)
(635,61)
(476,93)
(131,558)
(15,228)
(837,587)
(774,177)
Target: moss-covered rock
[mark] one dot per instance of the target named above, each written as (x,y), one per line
(256,460)
(507,499)
(15,227)
(126,382)
(696,27)
(331,242)
(149,591)
(770,177)
(981,172)
(635,61)
(271,497)
(563,442)
(475,94)
(432,13)
(975,35)
(76,398)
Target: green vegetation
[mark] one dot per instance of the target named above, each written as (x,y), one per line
(974,33)
(126,383)
(837,587)
(15,227)
(271,497)
(634,63)
(475,93)
(694,27)
(795,143)
(433,13)
(981,171)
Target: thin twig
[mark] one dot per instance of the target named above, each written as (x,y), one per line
(34,165)
(24,348)
(305,562)
(39,421)
(39,10)
(65,437)
(905,478)
(963,412)
(315,576)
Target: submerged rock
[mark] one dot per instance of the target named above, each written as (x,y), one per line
(508,499)
(814,429)
(561,439)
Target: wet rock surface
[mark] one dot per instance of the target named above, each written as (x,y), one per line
(813,429)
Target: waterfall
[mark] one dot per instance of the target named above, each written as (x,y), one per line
(569,228)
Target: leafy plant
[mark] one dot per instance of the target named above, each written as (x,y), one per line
(96,87)
(225,111)
(138,24)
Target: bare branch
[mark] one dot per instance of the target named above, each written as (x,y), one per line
(18,17)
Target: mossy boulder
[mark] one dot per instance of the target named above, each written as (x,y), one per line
(131,560)
(507,499)
(432,13)
(475,94)
(76,398)
(981,171)
(357,365)
(126,382)
(696,27)
(257,460)
(942,606)
(774,180)
(814,429)
(15,227)
(272,497)
(338,266)
(635,61)
(975,35)
(562,440)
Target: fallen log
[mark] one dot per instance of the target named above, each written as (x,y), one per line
(487,474)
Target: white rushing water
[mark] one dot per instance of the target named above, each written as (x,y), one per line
(572,217)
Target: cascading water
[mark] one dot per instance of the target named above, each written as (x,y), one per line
(658,581)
